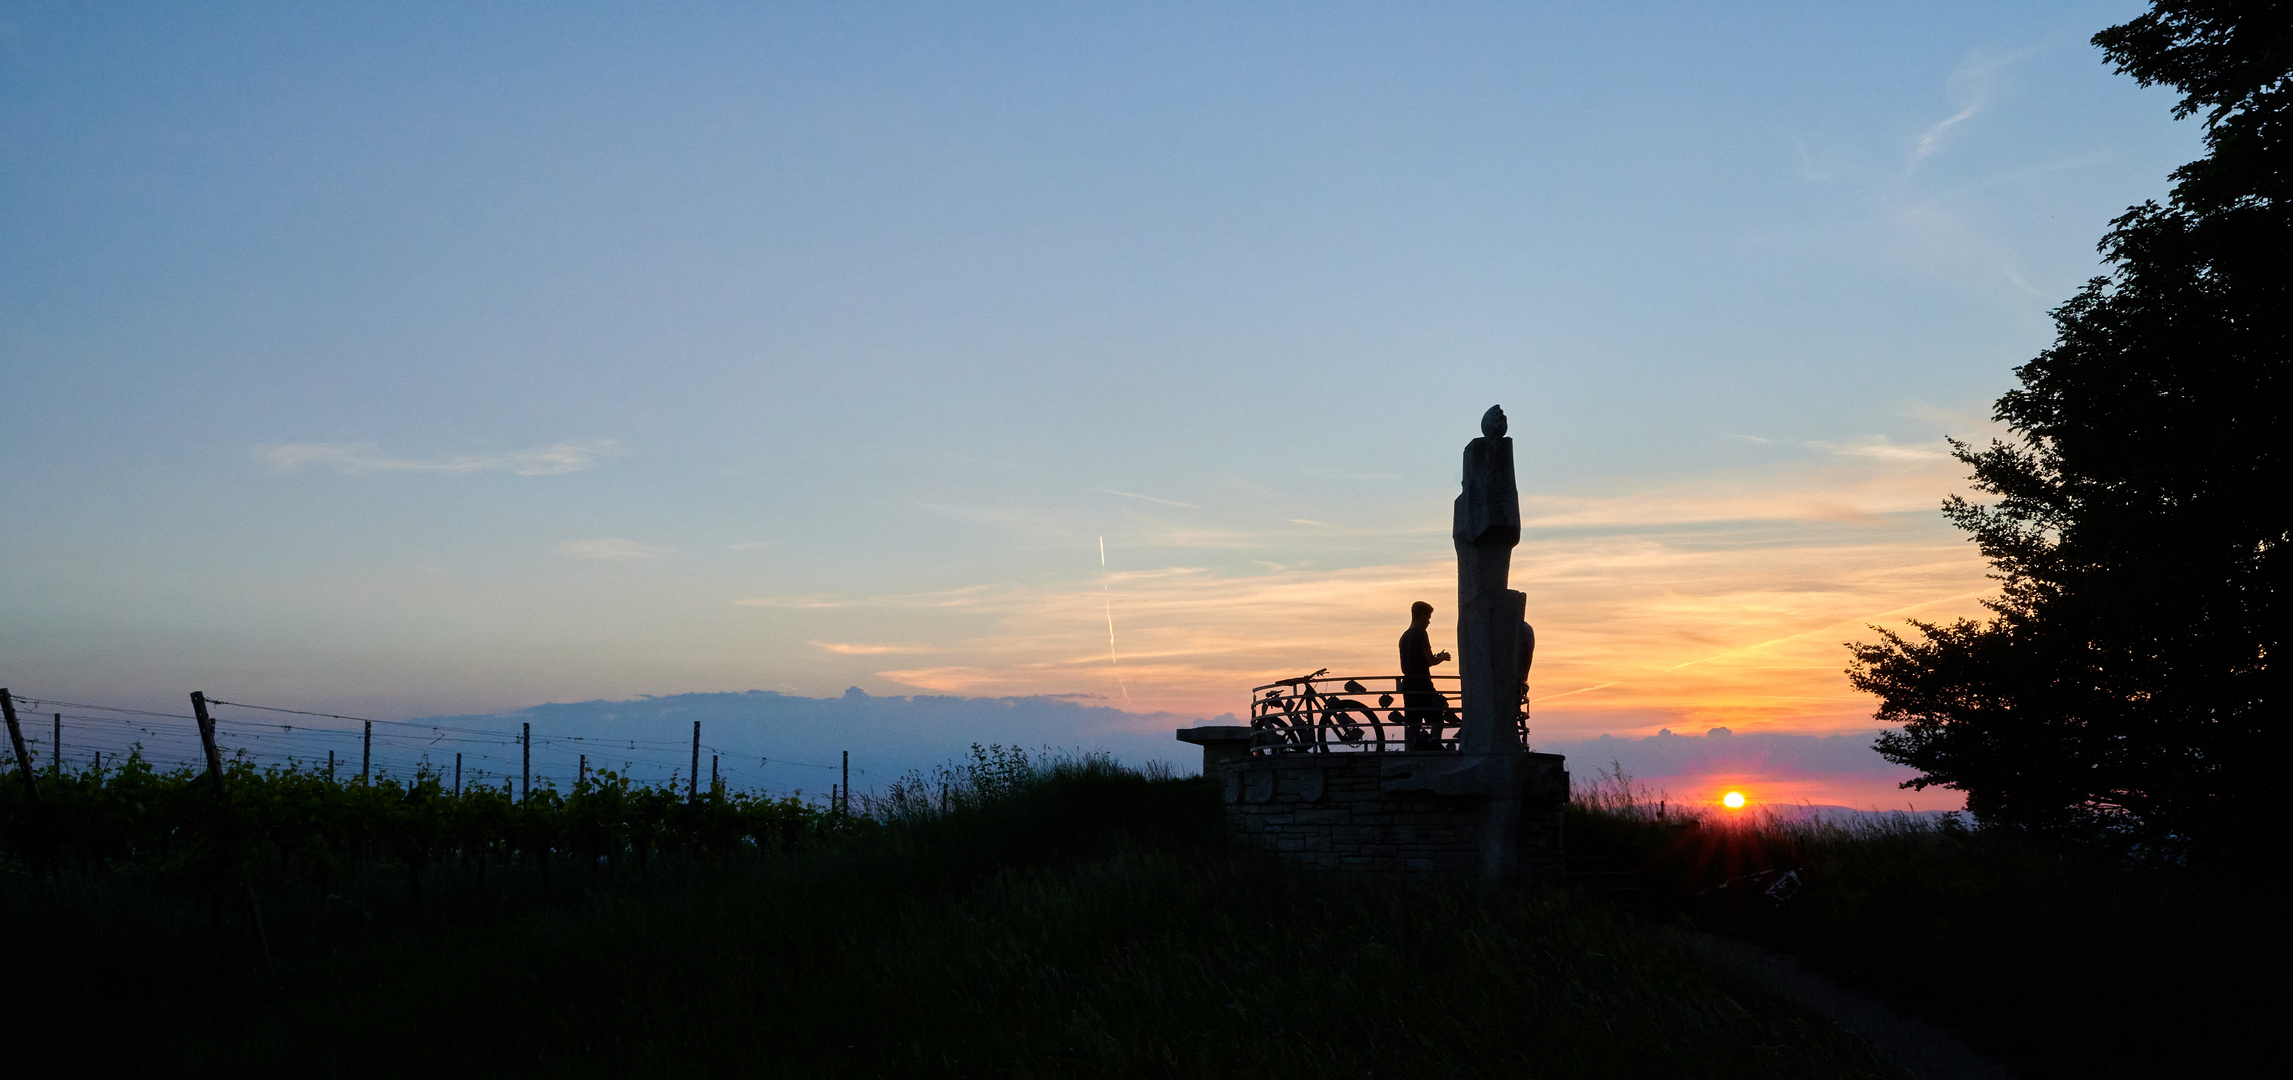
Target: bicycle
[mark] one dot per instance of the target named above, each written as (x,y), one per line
(1309,720)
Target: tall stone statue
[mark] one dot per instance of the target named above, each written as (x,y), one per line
(1493,654)
(1489,615)
(1489,804)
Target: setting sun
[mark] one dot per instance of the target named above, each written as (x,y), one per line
(1734,800)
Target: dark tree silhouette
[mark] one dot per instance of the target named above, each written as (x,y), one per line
(2142,503)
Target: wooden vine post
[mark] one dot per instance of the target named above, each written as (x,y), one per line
(16,739)
(222,827)
(207,740)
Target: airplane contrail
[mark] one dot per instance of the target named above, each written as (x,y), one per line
(1108,592)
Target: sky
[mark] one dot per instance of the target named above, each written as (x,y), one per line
(435,360)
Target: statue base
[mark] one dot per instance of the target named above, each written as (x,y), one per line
(1444,814)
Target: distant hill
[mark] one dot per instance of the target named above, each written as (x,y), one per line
(784,742)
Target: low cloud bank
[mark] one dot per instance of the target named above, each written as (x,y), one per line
(784,742)
(1720,751)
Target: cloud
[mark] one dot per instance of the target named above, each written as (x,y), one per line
(781,742)
(1150,498)
(1719,599)
(849,648)
(612,549)
(1931,141)
(1723,600)
(1720,750)
(807,600)
(354,458)
(938,598)
(1973,85)
(1777,769)
(1851,482)
(1880,448)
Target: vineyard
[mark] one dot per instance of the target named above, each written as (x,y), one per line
(301,824)
(1006,915)
(261,812)
(1002,915)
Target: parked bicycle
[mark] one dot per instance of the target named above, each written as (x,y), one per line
(1321,713)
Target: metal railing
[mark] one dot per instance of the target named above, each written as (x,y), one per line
(1322,713)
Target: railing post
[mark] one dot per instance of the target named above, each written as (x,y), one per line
(693,778)
(525,775)
(366,753)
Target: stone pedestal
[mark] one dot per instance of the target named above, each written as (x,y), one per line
(1220,743)
(1335,812)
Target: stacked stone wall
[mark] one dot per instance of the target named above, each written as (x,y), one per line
(1329,811)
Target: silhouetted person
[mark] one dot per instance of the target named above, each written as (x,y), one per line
(1426,708)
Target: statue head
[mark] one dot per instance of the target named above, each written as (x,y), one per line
(1493,422)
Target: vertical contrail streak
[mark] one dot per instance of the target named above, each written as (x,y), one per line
(1108,592)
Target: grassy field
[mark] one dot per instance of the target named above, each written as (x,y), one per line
(1080,920)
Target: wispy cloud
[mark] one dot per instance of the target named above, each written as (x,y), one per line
(1729,625)
(1150,498)
(366,458)
(1931,140)
(1884,450)
(1849,482)
(854,648)
(1723,599)
(1339,474)
(1972,86)
(807,600)
(612,549)
(938,598)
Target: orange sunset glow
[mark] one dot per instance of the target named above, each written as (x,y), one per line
(1651,610)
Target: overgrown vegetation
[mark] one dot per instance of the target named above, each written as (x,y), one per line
(2067,959)
(1007,917)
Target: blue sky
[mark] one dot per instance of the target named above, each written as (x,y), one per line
(418,359)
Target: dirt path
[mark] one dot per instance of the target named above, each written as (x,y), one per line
(1920,1049)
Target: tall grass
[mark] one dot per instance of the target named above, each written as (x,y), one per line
(1061,918)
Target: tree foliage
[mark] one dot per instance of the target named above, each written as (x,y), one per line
(2141,512)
